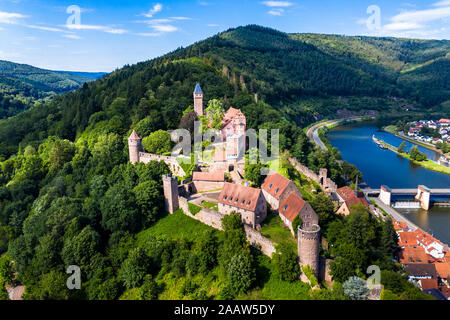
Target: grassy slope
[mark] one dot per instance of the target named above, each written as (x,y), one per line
(179,226)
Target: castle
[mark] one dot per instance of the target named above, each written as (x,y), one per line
(278,192)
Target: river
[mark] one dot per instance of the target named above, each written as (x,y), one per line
(384,167)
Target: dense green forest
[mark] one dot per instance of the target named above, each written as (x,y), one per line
(69,196)
(22,86)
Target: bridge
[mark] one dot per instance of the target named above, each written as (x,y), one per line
(422,194)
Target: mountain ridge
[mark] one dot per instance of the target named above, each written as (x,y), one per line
(301,80)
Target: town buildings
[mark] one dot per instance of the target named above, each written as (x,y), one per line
(425,259)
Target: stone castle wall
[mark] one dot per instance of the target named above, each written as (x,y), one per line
(328,185)
(171,162)
(213,219)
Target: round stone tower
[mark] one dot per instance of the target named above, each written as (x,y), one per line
(308,246)
(134,147)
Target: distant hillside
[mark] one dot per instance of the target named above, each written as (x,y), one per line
(273,76)
(22,86)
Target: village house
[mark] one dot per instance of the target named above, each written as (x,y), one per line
(419,271)
(277,188)
(432,246)
(412,255)
(248,202)
(348,198)
(295,206)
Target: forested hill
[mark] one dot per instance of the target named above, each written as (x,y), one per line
(70,196)
(22,86)
(303,76)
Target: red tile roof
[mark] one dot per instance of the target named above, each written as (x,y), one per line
(208,176)
(239,196)
(428,284)
(413,255)
(275,184)
(350,198)
(407,239)
(443,269)
(292,206)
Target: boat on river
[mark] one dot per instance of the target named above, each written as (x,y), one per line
(379,143)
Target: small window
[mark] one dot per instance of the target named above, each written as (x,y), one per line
(285,207)
(231,198)
(225,198)
(248,203)
(276,191)
(270,187)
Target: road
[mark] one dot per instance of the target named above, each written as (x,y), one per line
(397,216)
(313,132)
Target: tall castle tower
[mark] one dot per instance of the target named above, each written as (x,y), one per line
(308,247)
(170,185)
(198,100)
(134,147)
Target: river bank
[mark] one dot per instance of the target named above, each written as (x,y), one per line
(427,164)
(384,167)
(392,130)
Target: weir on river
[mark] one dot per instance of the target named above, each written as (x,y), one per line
(384,167)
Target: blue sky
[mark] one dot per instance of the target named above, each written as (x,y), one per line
(112,33)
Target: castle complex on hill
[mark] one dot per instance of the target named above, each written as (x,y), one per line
(252,204)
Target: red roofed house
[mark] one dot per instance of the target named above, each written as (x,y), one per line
(443,269)
(207,181)
(412,255)
(248,202)
(432,246)
(295,206)
(277,188)
(444,122)
(348,198)
(407,239)
(428,284)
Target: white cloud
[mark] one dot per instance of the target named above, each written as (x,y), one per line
(164,28)
(95,27)
(275,4)
(422,15)
(44,28)
(180,18)
(10,18)
(148,34)
(72,36)
(276,12)
(157,21)
(116,31)
(442,3)
(403,26)
(156,8)
(417,23)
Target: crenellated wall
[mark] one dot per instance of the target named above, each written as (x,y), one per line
(213,219)
(325,183)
